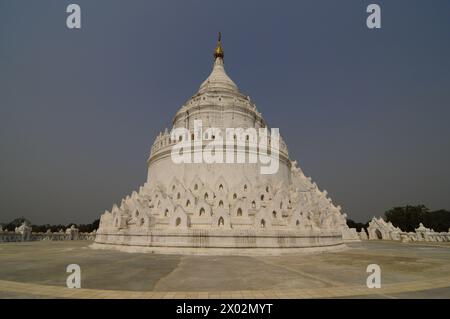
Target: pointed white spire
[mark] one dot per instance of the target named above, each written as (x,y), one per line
(218,80)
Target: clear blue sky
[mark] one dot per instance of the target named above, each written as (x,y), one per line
(365,112)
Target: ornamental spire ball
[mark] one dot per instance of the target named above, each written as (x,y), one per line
(218,52)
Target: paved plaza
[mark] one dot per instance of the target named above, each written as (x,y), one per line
(38,270)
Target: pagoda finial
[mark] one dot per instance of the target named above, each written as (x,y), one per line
(218,52)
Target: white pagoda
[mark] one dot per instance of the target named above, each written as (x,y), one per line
(222,208)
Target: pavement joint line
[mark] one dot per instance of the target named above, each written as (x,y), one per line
(305,274)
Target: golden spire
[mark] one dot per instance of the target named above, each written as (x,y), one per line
(218,52)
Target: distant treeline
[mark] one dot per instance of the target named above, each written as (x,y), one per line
(84,228)
(358,226)
(408,218)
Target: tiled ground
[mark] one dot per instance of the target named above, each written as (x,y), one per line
(30,270)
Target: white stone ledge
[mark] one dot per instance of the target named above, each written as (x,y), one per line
(222,251)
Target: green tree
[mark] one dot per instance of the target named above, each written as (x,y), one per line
(438,220)
(358,226)
(408,218)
